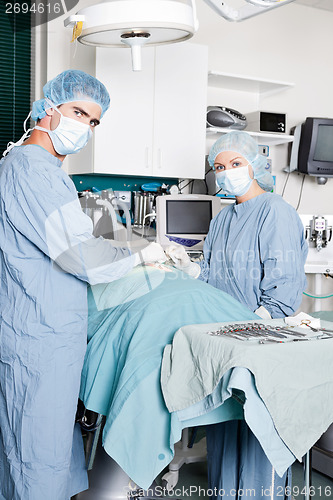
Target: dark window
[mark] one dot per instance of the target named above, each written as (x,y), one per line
(15,73)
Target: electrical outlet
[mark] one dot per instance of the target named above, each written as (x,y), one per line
(263,150)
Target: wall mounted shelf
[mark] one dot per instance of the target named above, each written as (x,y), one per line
(269,139)
(259,86)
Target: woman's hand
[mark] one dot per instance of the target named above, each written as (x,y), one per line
(182,261)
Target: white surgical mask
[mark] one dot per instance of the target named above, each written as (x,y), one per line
(235,181)
(70,136)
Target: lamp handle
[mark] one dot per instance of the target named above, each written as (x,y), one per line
(70,21)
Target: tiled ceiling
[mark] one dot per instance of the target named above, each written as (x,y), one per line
(319,4)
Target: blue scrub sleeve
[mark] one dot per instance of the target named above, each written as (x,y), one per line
(205,263)
(46,210)
(283,251)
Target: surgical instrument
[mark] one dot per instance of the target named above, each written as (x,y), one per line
(306,322)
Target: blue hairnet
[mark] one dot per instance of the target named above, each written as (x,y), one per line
(71,85)
(246,146)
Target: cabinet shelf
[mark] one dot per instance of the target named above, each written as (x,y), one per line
(269,139)
(258,86)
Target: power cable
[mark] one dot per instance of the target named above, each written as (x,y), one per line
(285,184)
(300,193)
(318,296)
(183,187)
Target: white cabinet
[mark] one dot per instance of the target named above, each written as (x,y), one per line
(156,122)
(180,104)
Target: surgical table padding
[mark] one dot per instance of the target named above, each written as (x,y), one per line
(293,379)
(130,322)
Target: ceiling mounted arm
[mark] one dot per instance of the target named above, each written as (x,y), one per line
(252,8)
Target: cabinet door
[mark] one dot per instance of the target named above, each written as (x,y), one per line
(123,140)
(180,110)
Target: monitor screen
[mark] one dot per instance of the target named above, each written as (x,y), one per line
(188,216)
(324,145)
(312,150)
(185,219)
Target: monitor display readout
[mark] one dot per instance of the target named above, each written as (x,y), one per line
(324,145)
(188,217)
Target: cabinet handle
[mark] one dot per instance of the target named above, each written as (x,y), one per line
(147,157)
(159,154)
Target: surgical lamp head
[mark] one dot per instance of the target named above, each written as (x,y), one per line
(242,143)
(70,86)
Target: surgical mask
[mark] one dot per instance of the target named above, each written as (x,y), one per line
(70,136)
(235,181)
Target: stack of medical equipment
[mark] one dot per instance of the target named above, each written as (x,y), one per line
(108,214)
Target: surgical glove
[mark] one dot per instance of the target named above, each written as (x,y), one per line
(263,313)
(152,253)
(181,260)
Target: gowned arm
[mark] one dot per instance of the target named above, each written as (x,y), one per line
(283,252)
(47,212)
(73,247)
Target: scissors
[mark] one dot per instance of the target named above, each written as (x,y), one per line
(307,322)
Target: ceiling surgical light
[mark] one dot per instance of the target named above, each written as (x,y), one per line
(135,23)
(117,23)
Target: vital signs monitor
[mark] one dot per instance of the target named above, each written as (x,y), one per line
(185,219)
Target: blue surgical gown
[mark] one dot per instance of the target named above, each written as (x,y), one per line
(47,257)
(256,252)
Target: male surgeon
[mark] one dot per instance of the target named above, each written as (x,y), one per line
(47,256)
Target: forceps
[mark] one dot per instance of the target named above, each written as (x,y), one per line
(307,322)
(280,329)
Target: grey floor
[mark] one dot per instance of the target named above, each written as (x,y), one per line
(108,482)
(195,476)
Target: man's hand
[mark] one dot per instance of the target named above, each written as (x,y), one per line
(151,253)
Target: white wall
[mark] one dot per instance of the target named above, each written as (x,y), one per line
(292,43)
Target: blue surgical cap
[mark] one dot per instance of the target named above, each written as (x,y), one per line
(243,144)
(71,85)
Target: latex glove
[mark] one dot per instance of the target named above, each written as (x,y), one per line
(181,260)
(178,255)
(151,253)
(263,313)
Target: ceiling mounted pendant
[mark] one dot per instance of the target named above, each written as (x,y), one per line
(117,23)
(249,9)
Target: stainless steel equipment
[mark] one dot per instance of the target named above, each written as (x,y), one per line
(102,208)
(319,232)
(144,204)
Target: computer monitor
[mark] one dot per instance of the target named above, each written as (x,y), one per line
(185,219)
(313,146)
